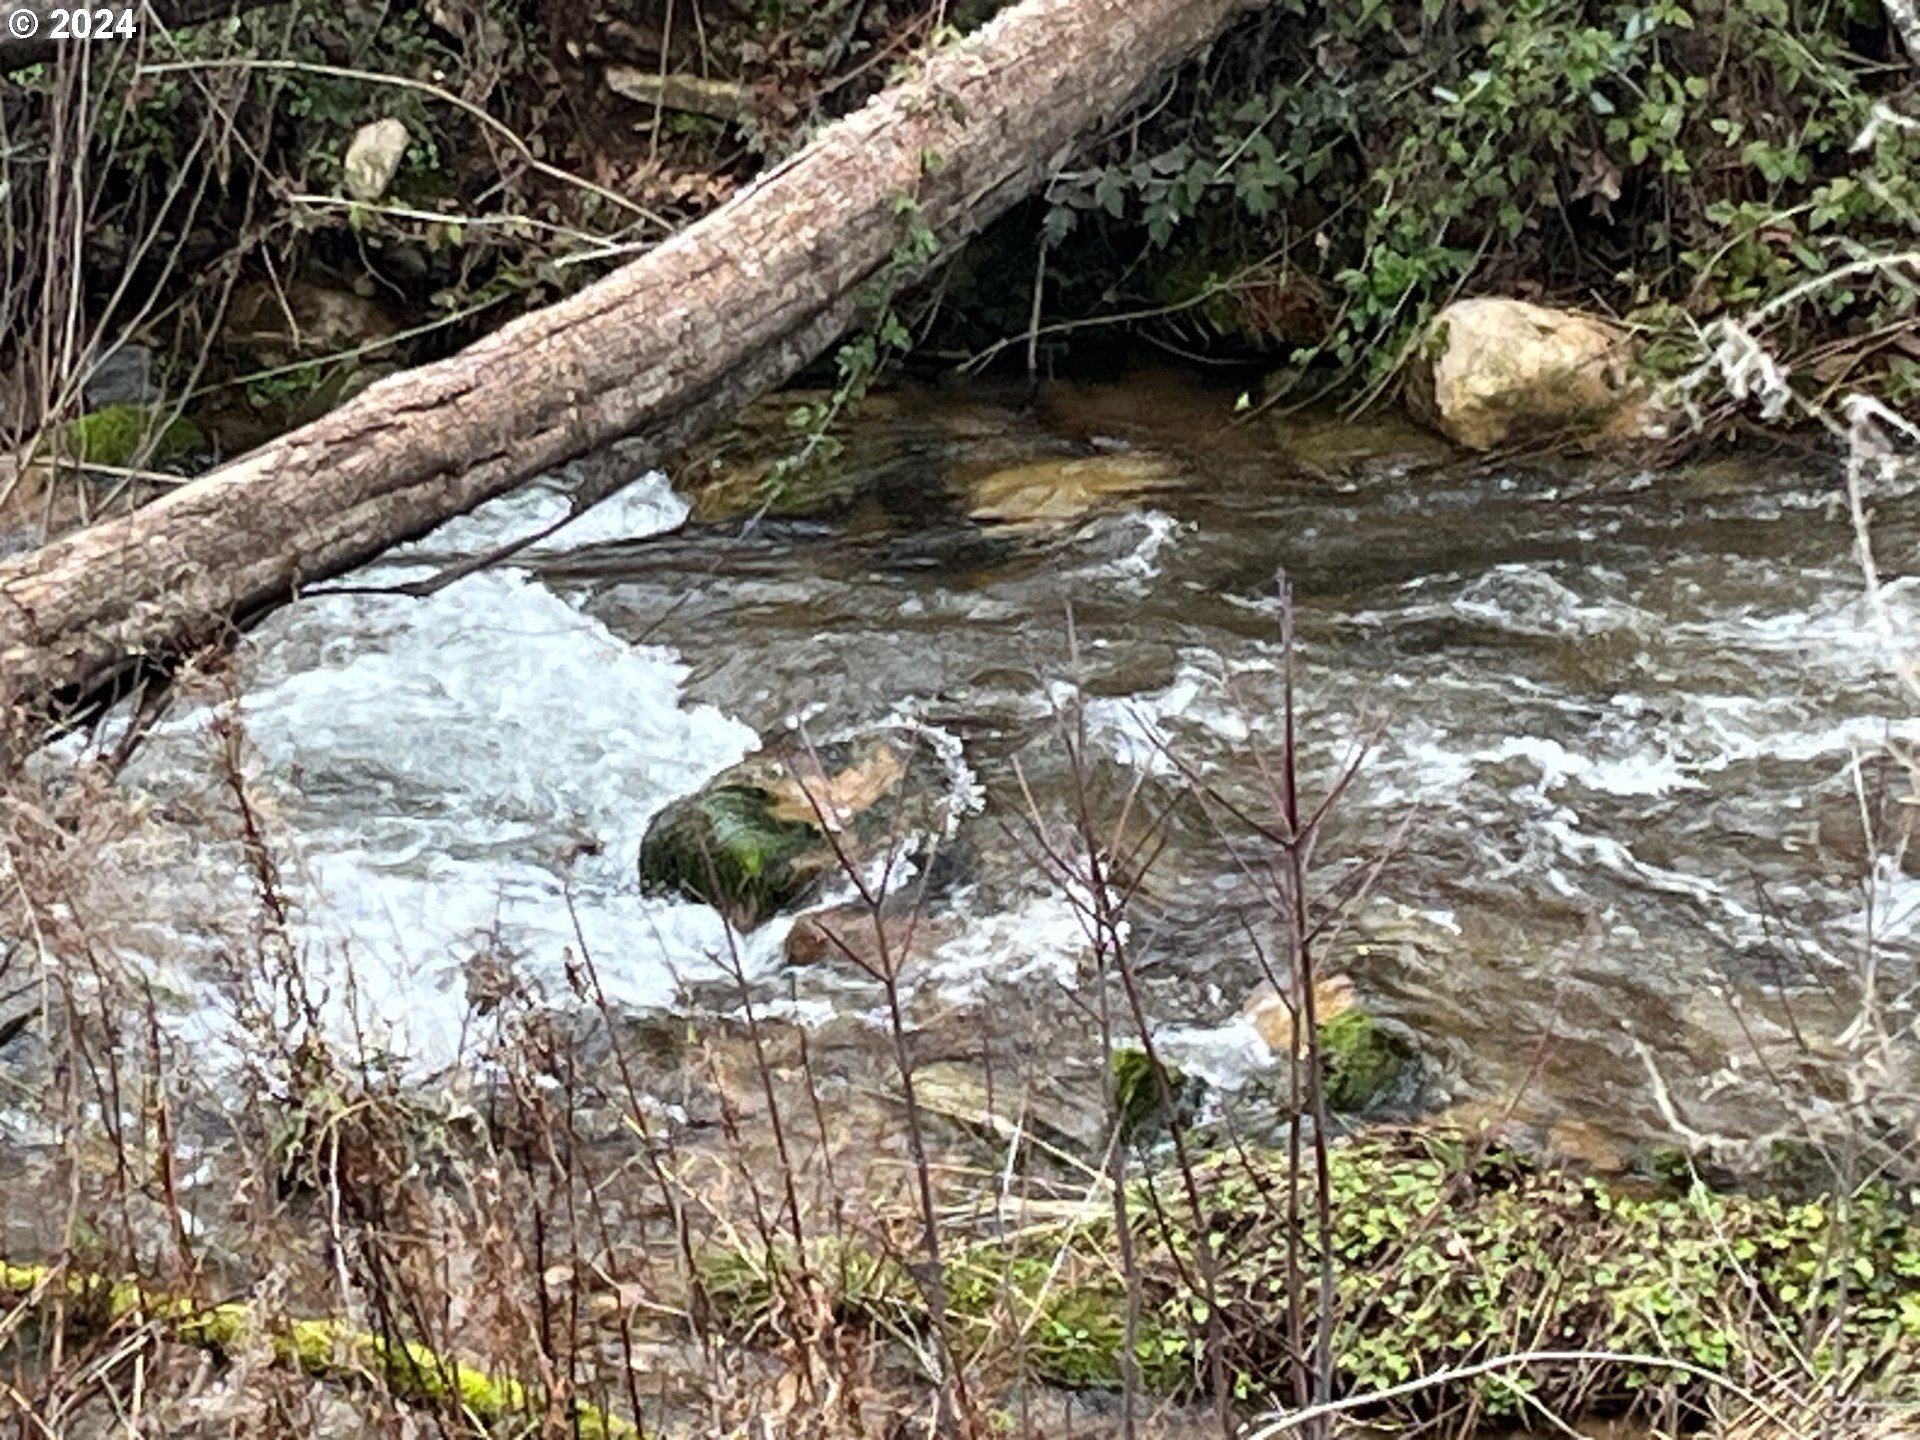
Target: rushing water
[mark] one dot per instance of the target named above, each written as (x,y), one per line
(1612,719)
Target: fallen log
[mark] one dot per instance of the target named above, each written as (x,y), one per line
(719,313)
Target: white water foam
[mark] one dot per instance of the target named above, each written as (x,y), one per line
(471,772)
(1043,939)
(1140,731)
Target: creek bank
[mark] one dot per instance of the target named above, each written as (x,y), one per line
(1723,1283)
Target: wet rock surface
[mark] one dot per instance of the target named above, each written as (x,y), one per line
(1060,492)
(771,830)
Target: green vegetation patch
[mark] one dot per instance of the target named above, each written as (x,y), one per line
(123,435)
(325,1348)
(1443,1258)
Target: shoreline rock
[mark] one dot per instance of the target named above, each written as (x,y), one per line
(1494,372)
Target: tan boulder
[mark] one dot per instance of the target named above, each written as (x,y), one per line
(1497,372)
(1051,493)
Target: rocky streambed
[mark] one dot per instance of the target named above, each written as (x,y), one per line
(1611,721)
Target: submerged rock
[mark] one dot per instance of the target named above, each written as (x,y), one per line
(1496,372)
(1366,1063)
(754,465)
(761,836)
(852,935)
(1060,492)
(1326,443)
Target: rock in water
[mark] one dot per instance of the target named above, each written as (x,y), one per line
(1142,1087)
(1048,493)
(761,836)
(853,934)
(1366,1064)
(1497,372)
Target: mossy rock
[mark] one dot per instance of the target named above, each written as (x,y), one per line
(726,846)
(1142,1087)
(1366,1063)
(755,841)
(122,435)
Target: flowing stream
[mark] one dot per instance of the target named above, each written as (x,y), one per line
(1612,720)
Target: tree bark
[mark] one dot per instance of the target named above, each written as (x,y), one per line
(1904,16)
(18,51)
(719,313)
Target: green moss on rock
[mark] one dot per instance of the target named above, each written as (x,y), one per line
(753,842)
(1365,1063)
(1141,1087)
(725,847)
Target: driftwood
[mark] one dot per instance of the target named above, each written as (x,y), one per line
(715,99)
(658,350)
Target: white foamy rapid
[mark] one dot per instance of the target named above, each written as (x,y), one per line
(471,773)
